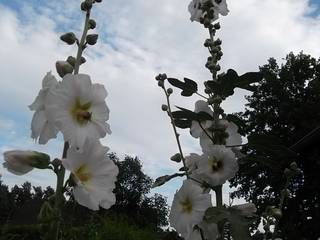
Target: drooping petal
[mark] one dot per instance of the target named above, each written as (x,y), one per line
(37,124)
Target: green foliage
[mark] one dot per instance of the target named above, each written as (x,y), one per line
(281,111)
(227,82)
(142,215)
(188,87)
(238,223)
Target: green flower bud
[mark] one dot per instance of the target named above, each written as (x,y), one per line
(63,68)
(164,108)
(92,24)
(69,38)
(21,162)
(82,60)
(161,83)
(176,157)
(218,42)
(170,91)
(71,60)
(86,5)
(92,39)
(217,26)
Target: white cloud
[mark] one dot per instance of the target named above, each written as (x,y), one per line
(140,39)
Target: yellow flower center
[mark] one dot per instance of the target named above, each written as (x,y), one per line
(186,205)
(215,163)
(83,174)
(80,112)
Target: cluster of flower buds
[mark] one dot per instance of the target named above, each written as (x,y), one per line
(207,11)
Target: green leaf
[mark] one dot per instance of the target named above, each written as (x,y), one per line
(188,87)
(248,78)
(216,214)
(182,123)
(239,225)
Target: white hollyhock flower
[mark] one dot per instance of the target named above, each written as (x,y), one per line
(188,207)
(196,11)
(94,173)
(202,130)
(78,109)
(42,128)
(217,165)
(209,230)
(21,162)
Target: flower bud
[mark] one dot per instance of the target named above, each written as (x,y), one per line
(217,26)
(176,157)
(92,24)
(218,42)
(21,162)
(63,68)
(164,108)
(170,91)
(71,60)
(83,60)
(161,83)
(98,1)
(69,38)
(86,5)
(92,39)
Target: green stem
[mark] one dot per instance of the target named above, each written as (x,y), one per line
(55,228)
(177,135)
(219,199)
(82,43)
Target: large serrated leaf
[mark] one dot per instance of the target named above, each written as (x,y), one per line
(188,87)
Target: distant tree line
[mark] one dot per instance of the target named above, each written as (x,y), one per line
(19,206)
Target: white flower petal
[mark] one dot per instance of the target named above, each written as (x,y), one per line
(75,96)
(188,207)
(84,198)
(38,122)
(93,171)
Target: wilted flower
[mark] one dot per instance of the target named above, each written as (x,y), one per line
(94,173)
(188,207)
(216,165)
(78,109)
(21,162)
(41,126)
(196,9)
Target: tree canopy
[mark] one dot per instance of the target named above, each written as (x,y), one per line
(283,108)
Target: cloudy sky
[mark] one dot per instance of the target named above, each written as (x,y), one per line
(138,40)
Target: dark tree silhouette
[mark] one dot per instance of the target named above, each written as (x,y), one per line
(281,111)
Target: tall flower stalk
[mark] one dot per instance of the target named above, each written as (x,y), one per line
(76,108)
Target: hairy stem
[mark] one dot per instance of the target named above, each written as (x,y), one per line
(177,135)
(82,43)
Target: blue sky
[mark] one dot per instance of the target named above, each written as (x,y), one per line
(138,39)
